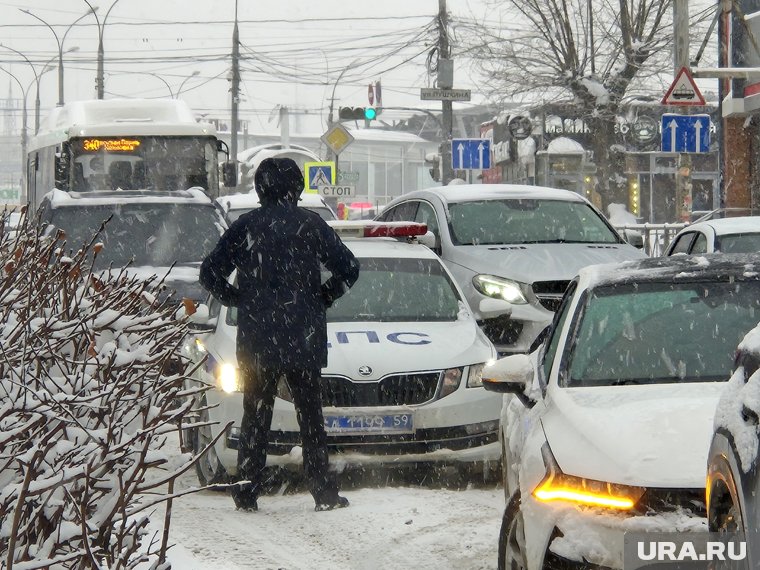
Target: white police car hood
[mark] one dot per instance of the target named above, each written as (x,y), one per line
(370,350)
(179,281)
(532,262)
(645,435)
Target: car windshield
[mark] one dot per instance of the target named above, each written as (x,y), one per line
(738,243)
(150,234)
(394,290)
(398,289)
(652,333)
(497,222)
(324,213)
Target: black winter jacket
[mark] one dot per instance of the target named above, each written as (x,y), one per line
(281,300)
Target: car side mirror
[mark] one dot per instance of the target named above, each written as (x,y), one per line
(634,237)
(229,174)
(198,320)
(511,375)
(428,240)
(491,308)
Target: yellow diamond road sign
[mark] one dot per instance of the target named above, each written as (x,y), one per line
(337,138)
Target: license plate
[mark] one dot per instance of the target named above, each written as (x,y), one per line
(370,423)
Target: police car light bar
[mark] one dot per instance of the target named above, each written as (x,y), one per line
(365,229)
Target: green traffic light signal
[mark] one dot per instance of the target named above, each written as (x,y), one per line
(370,113)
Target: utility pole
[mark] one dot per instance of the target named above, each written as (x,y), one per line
(681,59)
(235,90)
(445,81)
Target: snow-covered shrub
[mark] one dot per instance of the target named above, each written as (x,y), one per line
(90,383)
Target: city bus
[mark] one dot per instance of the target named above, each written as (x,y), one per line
(127,144)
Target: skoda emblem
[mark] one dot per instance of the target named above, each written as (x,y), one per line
(365,370)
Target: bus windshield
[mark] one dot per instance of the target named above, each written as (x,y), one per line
(143,162)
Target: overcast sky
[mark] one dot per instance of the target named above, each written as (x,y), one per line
(293,52)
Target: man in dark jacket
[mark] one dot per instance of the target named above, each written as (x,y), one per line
(282,332)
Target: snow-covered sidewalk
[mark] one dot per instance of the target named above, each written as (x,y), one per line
(384,528)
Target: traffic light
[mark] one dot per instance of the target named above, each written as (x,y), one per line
(433,160)
(357,113)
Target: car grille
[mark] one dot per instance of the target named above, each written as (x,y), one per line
(502,330)
(396,390)
(657,500)
(550,293)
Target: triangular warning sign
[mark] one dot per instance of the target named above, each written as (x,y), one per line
(683,90)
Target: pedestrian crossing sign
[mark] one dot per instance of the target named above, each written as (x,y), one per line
(318,174)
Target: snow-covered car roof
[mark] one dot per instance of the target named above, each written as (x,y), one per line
(724,226)
(251,200)
(59,198)
(470,192)
(707,267)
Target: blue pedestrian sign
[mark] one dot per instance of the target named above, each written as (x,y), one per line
(685,133)
(471,154)
(318,174)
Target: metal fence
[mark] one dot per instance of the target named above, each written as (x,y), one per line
(656,237)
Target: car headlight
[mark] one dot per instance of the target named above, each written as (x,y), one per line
(228,378)
(557,486)
(451,379)
(500,288)
(475,377)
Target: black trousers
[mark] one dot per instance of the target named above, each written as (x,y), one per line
(260,387)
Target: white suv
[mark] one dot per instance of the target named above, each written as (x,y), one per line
(519,243)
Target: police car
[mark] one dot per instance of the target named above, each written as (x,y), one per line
(403,379)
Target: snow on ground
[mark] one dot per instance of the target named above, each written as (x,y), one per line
(384,527)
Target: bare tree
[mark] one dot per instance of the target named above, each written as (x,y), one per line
(92,380)
(591,54)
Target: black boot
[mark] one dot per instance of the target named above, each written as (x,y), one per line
(335,502)
(244,498)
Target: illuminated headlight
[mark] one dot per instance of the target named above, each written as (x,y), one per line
(556,486)
(475,377)
(451,379)
(228,378)
(500,288)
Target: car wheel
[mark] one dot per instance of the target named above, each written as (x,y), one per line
(512,537)
(209,469)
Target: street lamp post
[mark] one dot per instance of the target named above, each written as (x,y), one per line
(60,42)
(100,81)
(181,85)
(157,76)
(330,118)
(24,134)
(37,79)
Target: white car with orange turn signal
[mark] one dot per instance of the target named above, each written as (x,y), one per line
(606,426)
(403,381)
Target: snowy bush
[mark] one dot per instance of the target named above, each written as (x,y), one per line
(90,383)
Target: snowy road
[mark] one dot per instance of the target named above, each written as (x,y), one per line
(384,528)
